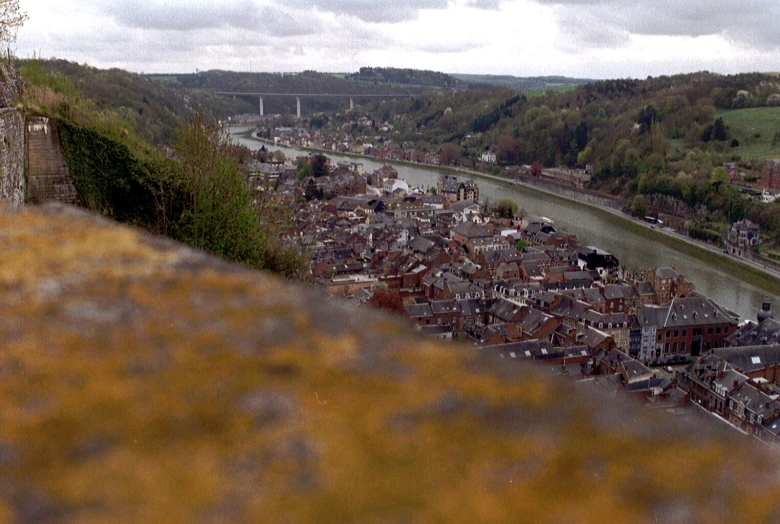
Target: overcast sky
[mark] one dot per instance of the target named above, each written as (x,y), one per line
(581,38)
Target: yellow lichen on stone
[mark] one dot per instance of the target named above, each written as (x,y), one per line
(143,381)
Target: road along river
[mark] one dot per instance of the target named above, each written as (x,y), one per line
(734,285)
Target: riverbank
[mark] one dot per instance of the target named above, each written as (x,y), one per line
(692,247)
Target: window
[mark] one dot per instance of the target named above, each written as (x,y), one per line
(668,334)
(674,348)
(682,348)
(709,331)
(666,348)
(717,331)
(676,333)
(685,332)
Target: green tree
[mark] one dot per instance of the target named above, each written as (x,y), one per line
(319,166)
(218,212)
(719,130)
(278,156)
(719,178)
(506,208)
(199,147)
(639,206)
(304,169)
(584,156)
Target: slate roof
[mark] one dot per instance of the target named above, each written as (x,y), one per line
(612,292)
(666,272)
(440,307)
(532,320)
(645,288)
(752,334)
(471,230)
(452,183)
(635,370)
(756,401)
(589,336)
(471,307)
(462,205)
(750,358)
(593,295)
(421,244)
(505,310)
(535,350)
(462,289)
(418,310)
(730,378)
(575,309)
(688,311)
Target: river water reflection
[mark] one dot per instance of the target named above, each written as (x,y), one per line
(724,281)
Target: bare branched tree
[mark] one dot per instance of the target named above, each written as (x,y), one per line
(11,19)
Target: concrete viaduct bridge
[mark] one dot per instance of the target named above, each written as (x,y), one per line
(298,97)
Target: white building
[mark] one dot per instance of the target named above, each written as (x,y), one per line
(488,157)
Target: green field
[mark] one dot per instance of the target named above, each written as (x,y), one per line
(755,129)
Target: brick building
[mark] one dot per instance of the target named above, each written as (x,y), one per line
(770,176)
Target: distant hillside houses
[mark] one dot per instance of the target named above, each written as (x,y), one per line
(455,188)
(743,238)
(770,176)
(488,157)
(577,177)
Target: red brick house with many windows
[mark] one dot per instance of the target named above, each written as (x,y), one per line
(770,176)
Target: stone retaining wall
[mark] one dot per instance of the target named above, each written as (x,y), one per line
(12,155)
(581,195)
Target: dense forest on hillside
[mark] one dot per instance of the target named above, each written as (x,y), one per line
(519,83)
(152,109)
(304,82)
(417,77)
(661,136)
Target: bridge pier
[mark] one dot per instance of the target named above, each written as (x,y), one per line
(262,109)
(298,100)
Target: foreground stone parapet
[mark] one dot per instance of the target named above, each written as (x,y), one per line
(142,381)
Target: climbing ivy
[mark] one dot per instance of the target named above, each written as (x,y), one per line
(111,179)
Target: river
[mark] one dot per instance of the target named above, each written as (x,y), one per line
(730,284)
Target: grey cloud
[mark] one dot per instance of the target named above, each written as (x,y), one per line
(485,4)
(448,47)
(239,14)
(182,16)
(750,21)
(372,10)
